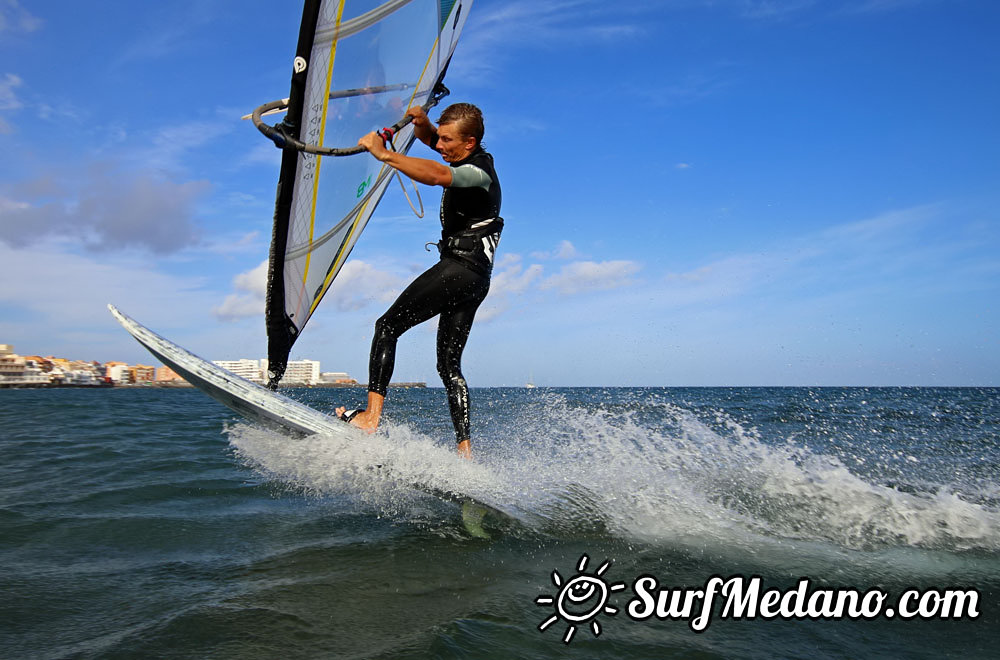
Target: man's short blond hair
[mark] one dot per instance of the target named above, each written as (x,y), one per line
(467,117)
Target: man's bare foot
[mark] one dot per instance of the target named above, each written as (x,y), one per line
(465,449)
(367,419)
(363,419)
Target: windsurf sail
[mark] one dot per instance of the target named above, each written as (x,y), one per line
(358,66)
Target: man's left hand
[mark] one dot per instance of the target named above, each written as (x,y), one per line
(375,146)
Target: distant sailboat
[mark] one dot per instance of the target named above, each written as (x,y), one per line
(531,382)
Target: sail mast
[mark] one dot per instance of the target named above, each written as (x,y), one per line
(281,332)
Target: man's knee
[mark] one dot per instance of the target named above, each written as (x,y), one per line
(452,379)
(384,328)
(449,370)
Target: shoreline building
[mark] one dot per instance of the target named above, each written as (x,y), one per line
(19,371)
(297,372)
(116,372)
(305,372)
(76,373)
(248,369)
(37,371)
(11,364)
(337,378)
(141,373)
(168,375)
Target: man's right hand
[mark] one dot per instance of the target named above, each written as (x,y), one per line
(419,117)
(423,127)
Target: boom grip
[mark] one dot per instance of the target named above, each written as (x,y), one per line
(283,140)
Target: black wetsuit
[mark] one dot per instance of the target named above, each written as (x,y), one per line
(454,287)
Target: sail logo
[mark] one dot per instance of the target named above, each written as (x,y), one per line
(580,600)
(364,185)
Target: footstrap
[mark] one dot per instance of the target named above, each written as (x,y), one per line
(351,414)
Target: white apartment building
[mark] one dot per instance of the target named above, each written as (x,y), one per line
(305,372)
(118,373)
(16,370)
(248,369)
(11,364)
(335,377)
(298,372)
(80,373)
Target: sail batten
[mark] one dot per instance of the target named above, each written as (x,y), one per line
(359,65)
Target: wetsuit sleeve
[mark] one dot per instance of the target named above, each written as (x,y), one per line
(469,176)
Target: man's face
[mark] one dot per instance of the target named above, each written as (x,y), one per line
(452,146)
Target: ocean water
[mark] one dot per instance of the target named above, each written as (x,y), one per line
(154,523)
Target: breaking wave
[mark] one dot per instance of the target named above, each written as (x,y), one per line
(650,472)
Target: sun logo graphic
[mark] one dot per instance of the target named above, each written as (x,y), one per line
(580,599)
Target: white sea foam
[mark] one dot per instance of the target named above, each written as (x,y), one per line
(685,479)
(387,470)
(657,474)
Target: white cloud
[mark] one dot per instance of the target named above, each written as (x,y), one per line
(860,256)
(510,282)
(583,276)
(720,279)
(63,112)
(9,100)
(778,10)
(878,6)
(514,280)
(242,245)
(507,260)
(12,206)
(252,286)
(112,210)
(501,123)
(494,31)
(773,9)
(54,294)
(891,225)
(565,250)
(169,147)
(359,284)
(169,34)
(707,80)
(15,18)
(263,153)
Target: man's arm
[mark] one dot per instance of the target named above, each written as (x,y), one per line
(423,128)
(422,170)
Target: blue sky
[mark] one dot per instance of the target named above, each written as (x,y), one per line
(697,192)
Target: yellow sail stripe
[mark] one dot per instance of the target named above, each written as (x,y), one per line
(361,213)
(319,160)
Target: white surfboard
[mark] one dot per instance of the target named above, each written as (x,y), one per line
(273,410)
(251,400)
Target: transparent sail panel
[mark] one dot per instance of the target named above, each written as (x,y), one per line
(362,77)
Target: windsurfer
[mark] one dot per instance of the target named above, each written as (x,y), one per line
(455,286)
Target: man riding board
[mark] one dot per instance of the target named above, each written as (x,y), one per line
(455,286)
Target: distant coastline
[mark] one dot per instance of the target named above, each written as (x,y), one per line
(185,385)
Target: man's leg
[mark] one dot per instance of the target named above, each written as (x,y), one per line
(418,302)
(443,284)
(453,333)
